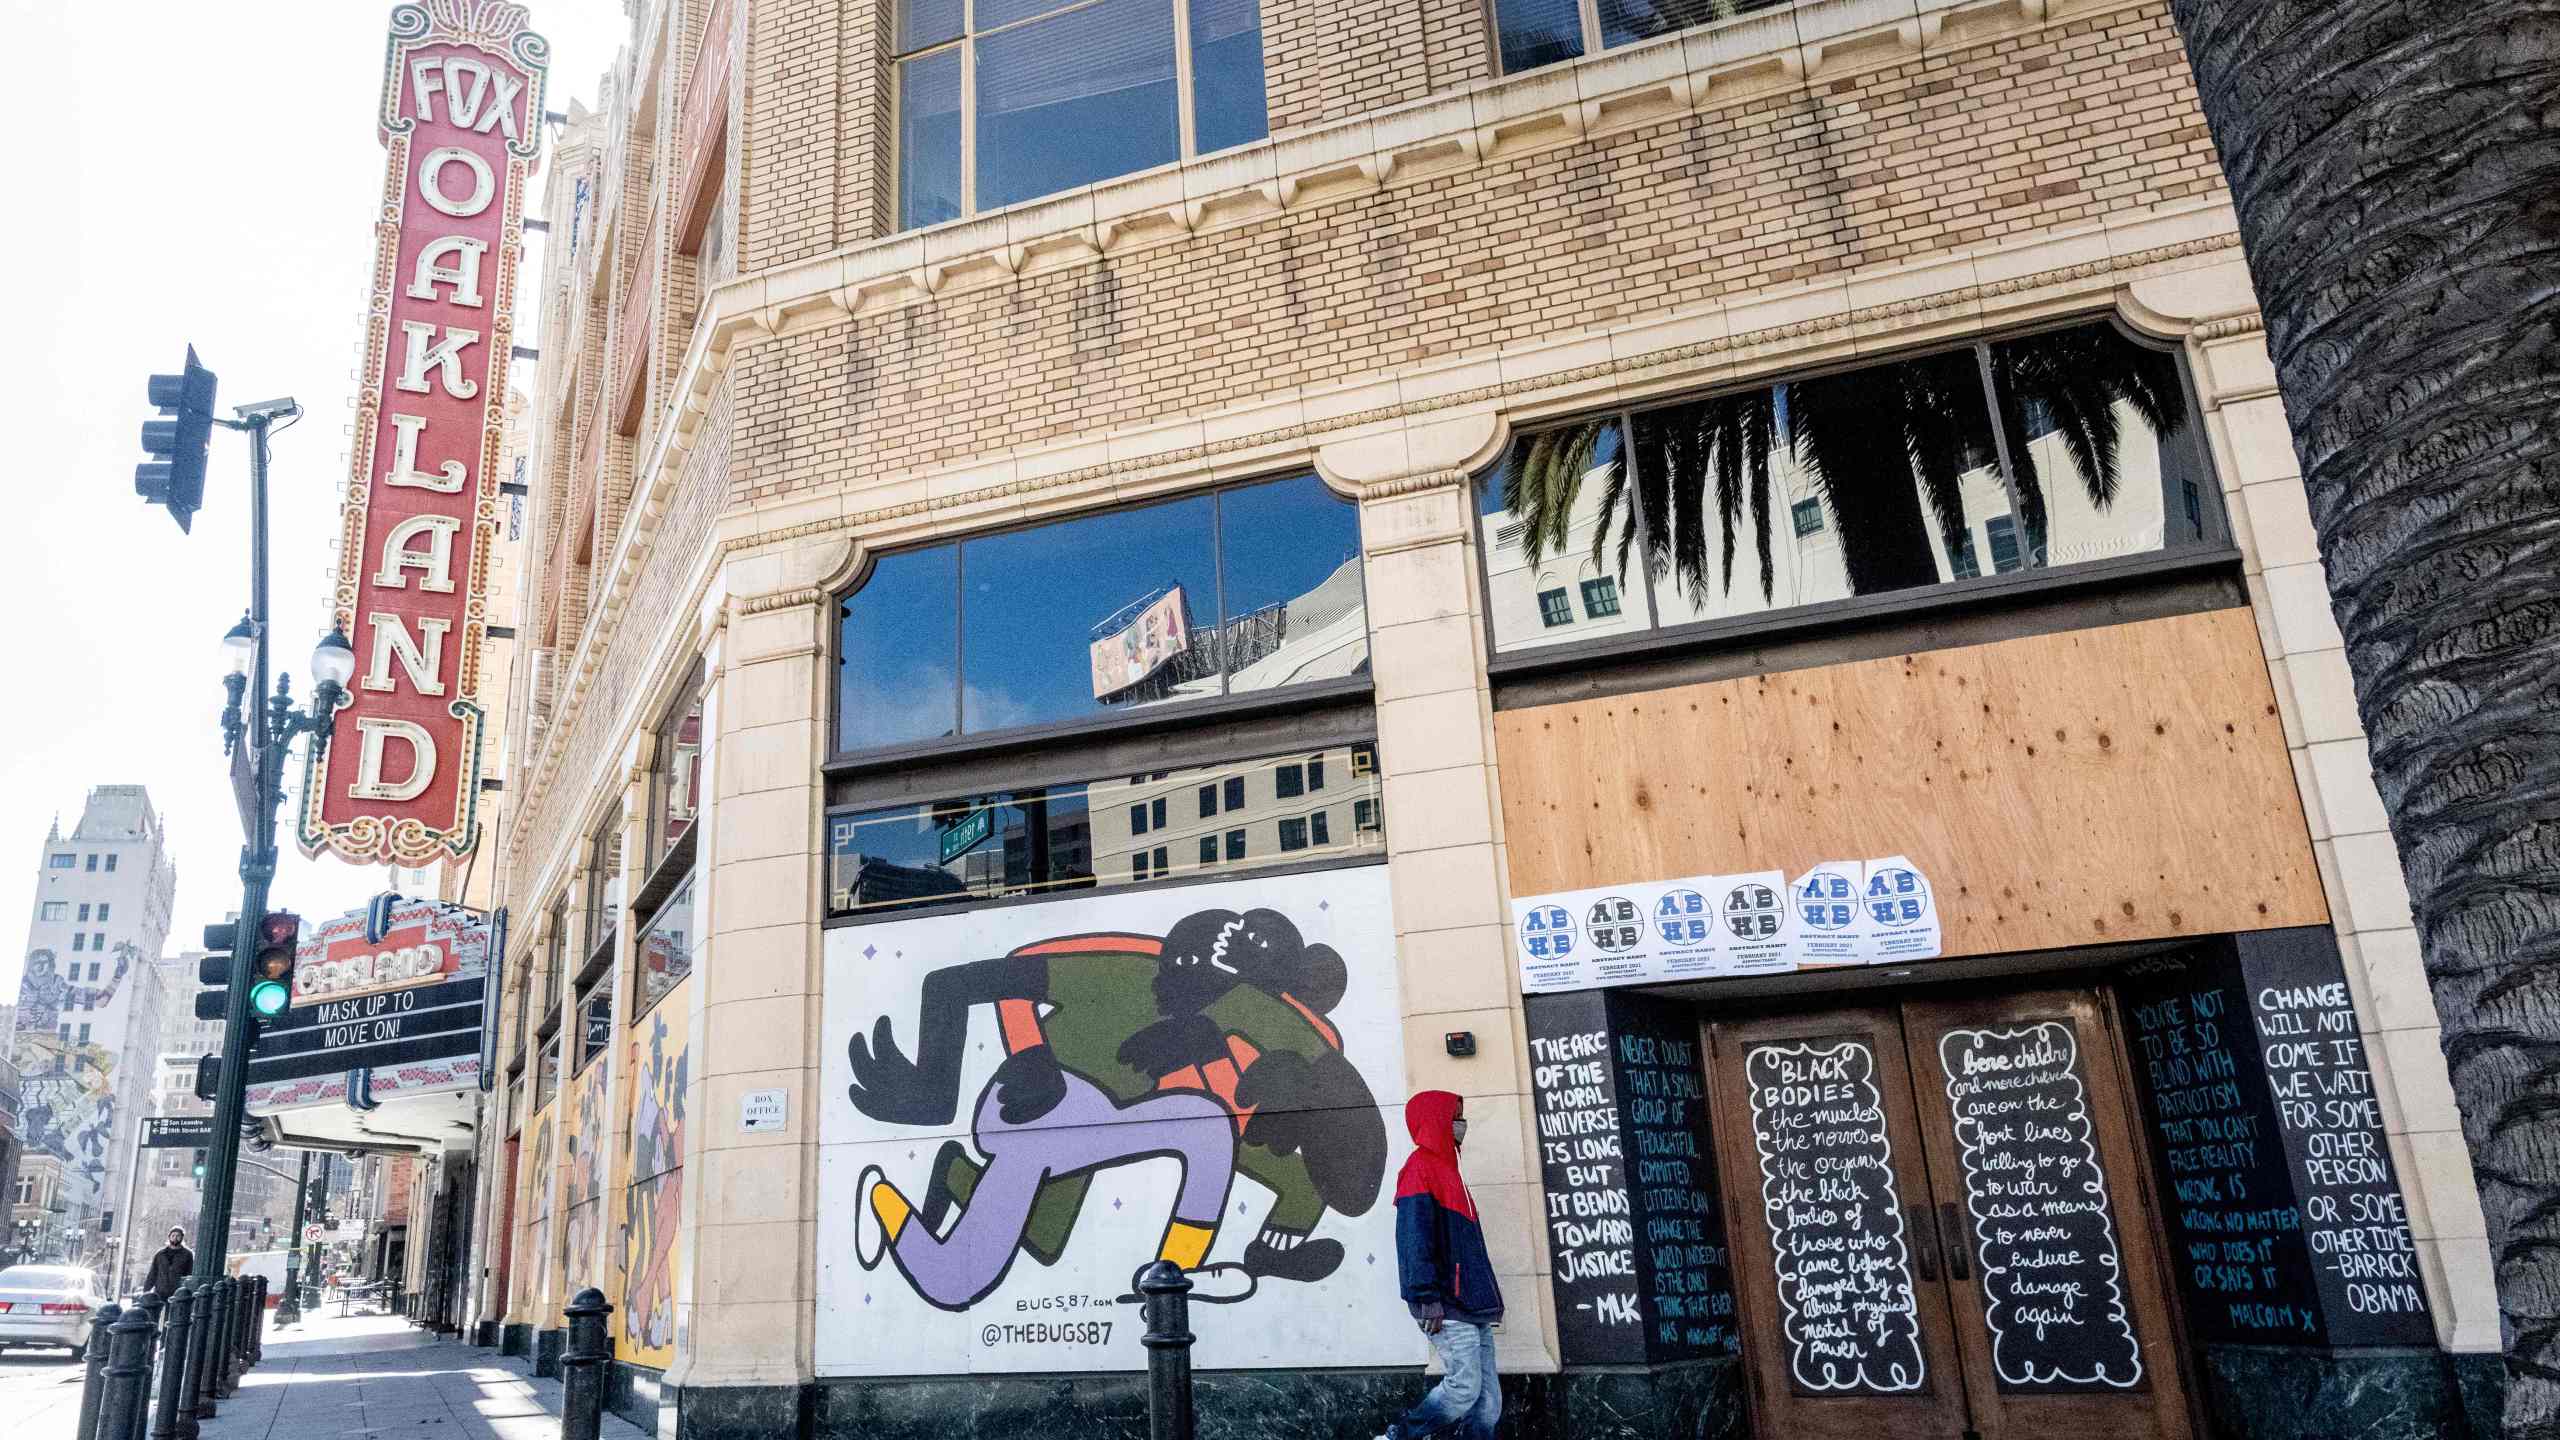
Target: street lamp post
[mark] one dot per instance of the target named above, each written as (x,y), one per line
(258,729)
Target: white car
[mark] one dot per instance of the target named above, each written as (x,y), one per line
(48,1305)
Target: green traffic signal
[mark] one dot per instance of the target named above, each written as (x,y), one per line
(269,998)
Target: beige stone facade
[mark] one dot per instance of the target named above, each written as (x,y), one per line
(1423,260)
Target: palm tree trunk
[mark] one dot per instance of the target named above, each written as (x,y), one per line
(2396,165)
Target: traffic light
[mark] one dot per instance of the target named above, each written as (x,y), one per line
(271,969)
(208,1082)
(199,1164)
(174,475)
(214,971)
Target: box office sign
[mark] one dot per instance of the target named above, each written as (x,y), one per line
(398,781)
(1714,927)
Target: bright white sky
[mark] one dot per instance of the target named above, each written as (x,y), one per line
(182,173)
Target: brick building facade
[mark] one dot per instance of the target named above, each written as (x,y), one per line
(1249,422)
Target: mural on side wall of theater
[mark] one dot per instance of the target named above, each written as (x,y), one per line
(584,1140)
(67,1088)
(537,1260)
(1024,1105)
(649,1324)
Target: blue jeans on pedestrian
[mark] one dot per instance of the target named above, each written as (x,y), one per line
(1468,1400)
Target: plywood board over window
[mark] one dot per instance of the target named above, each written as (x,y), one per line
(2086,787)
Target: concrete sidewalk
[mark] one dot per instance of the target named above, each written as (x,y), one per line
(376,1376)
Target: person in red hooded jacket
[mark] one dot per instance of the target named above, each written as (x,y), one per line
(1446,1276)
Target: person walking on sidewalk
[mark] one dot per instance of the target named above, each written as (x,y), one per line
(173,1263)
(1446,1276)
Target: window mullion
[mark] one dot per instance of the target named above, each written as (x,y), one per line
(2030,557)
(1591,35)
(1643,522)
(1183,118)
(969,115)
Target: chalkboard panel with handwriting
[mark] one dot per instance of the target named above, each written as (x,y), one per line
(1851,1323)
(2354,1219)
(1634,1236)
(2041,1222)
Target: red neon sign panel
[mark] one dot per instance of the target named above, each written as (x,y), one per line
(398,781)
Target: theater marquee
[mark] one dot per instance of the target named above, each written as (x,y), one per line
(399,780)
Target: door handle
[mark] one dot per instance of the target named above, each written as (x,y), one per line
(1958,1266)
(1925,1251)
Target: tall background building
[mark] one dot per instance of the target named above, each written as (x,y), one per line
(91,1007)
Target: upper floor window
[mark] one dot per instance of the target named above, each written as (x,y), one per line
(1044,839)
(1253,587)
(604,883)
(1542,32)
(62,861)
(111,864)
(103,908)
(93,862)
(57,910)
(676,772)
(2033,452)
(1007,100)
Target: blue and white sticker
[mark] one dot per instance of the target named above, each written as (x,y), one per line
(1831,914)
(1900,910)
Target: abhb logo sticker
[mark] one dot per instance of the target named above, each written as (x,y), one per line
(1826,900)
(1680,917)
(1546,932)
(1751,912)
(1896,896)
(1615,923)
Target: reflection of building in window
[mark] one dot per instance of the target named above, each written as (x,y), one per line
(1808,517)
(1555,607)
(1125,830)
(1600,597)
(2003,534)
(1960,559)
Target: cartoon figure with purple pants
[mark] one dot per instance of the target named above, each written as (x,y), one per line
(1210,1046)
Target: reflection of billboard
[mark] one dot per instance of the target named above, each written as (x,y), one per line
(1147,643)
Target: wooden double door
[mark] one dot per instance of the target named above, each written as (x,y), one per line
(1940,1223)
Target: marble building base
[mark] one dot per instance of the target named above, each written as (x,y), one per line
(2256,1392)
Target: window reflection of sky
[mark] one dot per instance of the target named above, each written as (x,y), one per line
(1011,618)
(1034,597)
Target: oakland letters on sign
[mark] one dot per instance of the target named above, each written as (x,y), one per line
(398,781)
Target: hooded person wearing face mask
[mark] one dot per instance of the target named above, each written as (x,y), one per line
(1446,1276)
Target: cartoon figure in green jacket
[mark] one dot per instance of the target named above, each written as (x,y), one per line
(1211,1045)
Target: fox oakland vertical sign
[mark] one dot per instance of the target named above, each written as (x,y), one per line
(398,781)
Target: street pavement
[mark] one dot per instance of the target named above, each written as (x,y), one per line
(366,1377)
(39,1394)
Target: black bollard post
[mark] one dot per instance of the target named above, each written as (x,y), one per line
(582,1367)
(194,1405)
(1166,1293)
(174,1333)
(236,1335)
(257,1319)
(148,1305)
(128,1373)
(217,1323)
(239,1336)
(93,1387)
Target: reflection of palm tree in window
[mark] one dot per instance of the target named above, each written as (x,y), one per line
(1885,448)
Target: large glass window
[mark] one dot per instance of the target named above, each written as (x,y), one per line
(1542,32)
(2065,447)
(604,884)
(1007,100)
(675,779)
(1248,588)
(1103,832)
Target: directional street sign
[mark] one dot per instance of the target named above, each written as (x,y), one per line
(177,1132)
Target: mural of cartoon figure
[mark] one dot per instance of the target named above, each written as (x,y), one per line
(653,1204)
(1210,1045)
(45,994)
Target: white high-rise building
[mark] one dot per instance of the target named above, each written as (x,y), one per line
(93,1004)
